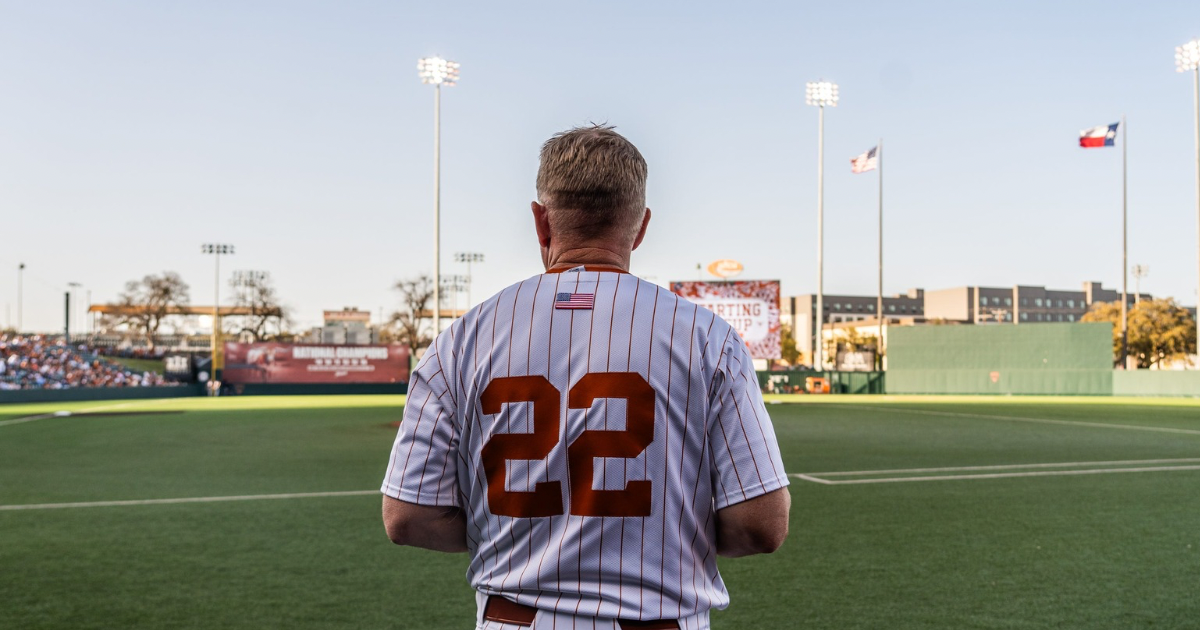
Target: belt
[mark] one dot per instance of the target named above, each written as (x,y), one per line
(503,610)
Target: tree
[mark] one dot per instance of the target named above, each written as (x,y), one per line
(787,345)
(409,321)
(1159,330)
(145,303)
(255,292)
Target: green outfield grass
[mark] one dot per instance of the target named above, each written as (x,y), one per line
(1026,546)
(139,365)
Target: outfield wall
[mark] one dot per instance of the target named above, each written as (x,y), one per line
(1156,383)
(999,359)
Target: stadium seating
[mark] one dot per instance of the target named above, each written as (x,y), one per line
(35,362)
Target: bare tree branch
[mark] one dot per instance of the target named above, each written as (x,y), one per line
(410,321)
(256,292)
(148,300)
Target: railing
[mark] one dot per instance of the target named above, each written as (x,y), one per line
(793,382)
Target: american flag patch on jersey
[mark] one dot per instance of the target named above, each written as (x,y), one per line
(574,300)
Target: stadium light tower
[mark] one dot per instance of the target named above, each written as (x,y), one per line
(216,249)
(1187,58)
(468,257)
(820,94)
(20,295)
(454,284)
(437,72)
(1139,272)
(72,287)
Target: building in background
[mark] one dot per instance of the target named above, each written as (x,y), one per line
(1018,304)
(799,312)
(348,326)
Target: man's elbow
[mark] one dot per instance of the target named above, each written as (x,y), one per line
(759,525)
(769,540)
(397,521)
(398,531)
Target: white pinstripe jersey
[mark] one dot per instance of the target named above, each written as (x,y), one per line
(589,448)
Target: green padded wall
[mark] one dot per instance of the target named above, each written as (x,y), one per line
(1156,383)
(998,359)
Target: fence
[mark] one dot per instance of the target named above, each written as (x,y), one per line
(999,359)
(792,381)
(1156,383)
(99,393)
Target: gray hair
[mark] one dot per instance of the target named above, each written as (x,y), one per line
(593,182)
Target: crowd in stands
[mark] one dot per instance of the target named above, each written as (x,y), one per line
(35,362)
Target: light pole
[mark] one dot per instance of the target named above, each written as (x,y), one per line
(455,284)
(20,295)
(245,279)
(71,288)
(1139,272)
(437,72)
(468,257)
(820,94)
(1187,57)
(216,249)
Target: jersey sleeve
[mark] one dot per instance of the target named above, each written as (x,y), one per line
(422,468)
(742,444)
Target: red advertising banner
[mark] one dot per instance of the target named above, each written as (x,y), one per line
(750,306)
(302,363)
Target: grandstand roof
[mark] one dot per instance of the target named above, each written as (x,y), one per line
(225,311)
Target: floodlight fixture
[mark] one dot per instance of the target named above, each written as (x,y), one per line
(437,71)
(216,248)
(245,277)
(1187,56)
(468,258)
(821,94)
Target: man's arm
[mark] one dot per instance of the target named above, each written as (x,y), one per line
(440,528)
(758,525)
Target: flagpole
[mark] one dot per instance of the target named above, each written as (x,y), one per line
(1124,244)
(879,299)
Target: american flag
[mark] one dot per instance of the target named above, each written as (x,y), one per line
(865,162)
(574,300)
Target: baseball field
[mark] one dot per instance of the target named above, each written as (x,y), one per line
(907,513)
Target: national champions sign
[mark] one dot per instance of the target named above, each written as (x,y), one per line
(302,363)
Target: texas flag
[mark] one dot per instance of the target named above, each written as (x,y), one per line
(1102,136)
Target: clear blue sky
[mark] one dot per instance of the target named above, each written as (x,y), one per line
(132,132)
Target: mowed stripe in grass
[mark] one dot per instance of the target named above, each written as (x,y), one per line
(1005,553)
(201,447)
(312,563)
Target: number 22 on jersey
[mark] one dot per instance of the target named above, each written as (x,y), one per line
(546,497)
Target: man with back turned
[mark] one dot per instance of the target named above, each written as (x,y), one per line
(592,440)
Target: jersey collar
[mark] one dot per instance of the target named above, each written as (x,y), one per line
(565,269)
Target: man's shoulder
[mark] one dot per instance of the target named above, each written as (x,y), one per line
(527,286)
